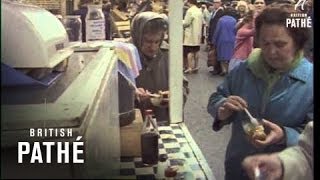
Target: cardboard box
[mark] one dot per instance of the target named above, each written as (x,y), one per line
(130,137)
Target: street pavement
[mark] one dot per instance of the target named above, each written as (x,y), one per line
(199,121)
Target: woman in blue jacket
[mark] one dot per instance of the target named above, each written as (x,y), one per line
(275,84)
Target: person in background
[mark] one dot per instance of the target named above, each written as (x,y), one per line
(206,20)
(145,5)
(275,84)
(259,6)
(294,163)
(111,27)
(218,12)
(147,33)
(82,11)
(242,8)
(244,40)
(224,38)
(192,25)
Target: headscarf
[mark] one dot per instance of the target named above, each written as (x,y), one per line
(138,25)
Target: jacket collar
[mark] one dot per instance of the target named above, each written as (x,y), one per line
(300,72)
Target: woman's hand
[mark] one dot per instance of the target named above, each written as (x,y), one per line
(275,135)
(142,94)
(230,105)
(269,165)
(161,99)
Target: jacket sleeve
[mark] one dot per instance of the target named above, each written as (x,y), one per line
(298,160)
(244,33)
(292,134)
(188,19)
(215,101)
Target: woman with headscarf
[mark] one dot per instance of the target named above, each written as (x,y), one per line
(147,34)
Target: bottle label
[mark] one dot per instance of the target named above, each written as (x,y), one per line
(95,30)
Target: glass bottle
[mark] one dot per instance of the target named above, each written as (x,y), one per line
(73,27)
(95,23)
(149,140)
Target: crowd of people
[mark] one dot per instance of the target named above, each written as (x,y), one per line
(268,69)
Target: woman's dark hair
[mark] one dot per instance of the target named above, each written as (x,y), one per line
(229,11)
(248,17)
(277,15)
(193,2)
(155,25)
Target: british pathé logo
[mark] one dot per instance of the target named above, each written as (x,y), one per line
(299,20)
(62,149)
(301,4)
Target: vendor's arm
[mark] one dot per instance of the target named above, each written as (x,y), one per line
(292,133)
(301,155)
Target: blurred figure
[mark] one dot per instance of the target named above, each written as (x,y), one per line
(259,5)
(109,21)
(145,5)
(242,8)
(82,11)
(218,12)
(224,39)
(192,25)
(206,20)
(157,6)
(294,163)
(244,40)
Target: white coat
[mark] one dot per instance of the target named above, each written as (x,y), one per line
(192,24)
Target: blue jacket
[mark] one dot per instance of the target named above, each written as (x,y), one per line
(290,105)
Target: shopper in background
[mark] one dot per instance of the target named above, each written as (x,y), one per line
(224,38)
(82,11)
(218,12)
(244,40)
(192,25)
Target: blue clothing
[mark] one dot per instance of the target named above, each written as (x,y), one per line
(224,37)
(290,105)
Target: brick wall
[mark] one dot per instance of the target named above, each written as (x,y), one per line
(57,6)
